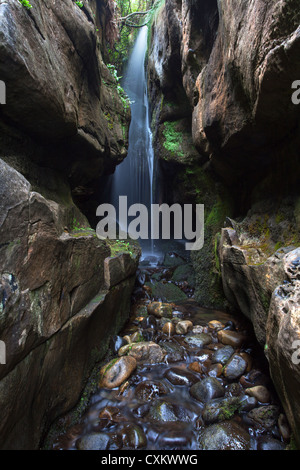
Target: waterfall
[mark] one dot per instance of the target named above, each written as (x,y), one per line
(134,176)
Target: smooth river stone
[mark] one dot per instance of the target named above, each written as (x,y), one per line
(207,389)
(133,436)
(224,436)
(117,371)
(160,309)
(179,376)
(259,392)
(235,367)
(198,341)
(222,355)
(148,390)
(147,352)
(93,441)
(232,338)
(183,327)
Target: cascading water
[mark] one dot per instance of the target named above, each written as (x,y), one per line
(134,176)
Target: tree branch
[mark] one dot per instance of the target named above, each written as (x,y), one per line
(125,18)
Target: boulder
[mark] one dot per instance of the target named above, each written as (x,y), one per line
(147,352)
(116,371)
(224,436)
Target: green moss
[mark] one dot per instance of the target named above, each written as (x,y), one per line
(110,122)
(166,292)
(216,215)
(110,364)
(123,246)
(173,139)
(265,300)
(292,444)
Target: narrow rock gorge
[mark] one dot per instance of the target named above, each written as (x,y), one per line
(226,134)
(208,340)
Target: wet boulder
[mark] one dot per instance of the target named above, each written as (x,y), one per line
(224,436)
(117,371)
(207,389)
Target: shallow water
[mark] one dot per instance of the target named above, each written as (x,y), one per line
(127,416)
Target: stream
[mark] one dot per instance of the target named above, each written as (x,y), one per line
(201,381)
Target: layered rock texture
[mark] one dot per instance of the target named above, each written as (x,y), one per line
(226,134)
(64,125)
(60,93)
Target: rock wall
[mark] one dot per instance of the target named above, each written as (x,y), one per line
(63,127)
(226,134)
(60,94)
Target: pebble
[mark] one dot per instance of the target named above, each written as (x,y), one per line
(162,411)
(174,440)
(216,325)
(183,327)
(247,403)
(147,352)
(207,389)
(260,392)
(215,370)
(174,352)
(233,338)
(220,409)
(123,351)
(223,355)
(93,441)
(198,340)
(196,367)
(254,377)
(133,436)
(147,390)
(160,309)
(269,443)
(179,376)
(248,359)
(117,371)
(168,329)
(127,339)
(224,436)
(235,367)
(265,416)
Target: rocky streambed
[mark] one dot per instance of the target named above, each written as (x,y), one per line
(179,377)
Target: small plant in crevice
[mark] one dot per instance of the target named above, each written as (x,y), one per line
(80,4)
(26,4)
(121,92)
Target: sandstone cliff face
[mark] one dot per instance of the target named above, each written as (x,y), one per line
(226,134)
(59,91)
(63,125)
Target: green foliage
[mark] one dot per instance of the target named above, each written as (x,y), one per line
(80,4)
(172,139)
(123,96)
(118,53)
(25,4)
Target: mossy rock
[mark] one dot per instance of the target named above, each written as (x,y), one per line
(185,272)
(176,142)
(166,292)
